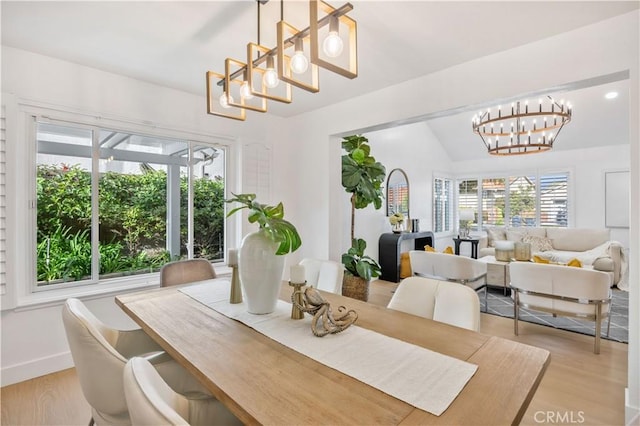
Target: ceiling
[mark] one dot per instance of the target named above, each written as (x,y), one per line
(173,43)
(596,121)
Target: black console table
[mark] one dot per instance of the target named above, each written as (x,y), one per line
(389,251)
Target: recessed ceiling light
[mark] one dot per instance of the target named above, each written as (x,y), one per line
(611,95)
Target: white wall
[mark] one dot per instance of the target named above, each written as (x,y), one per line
(604,48)
(416,150)
(33,339)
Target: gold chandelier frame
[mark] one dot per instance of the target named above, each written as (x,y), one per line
(259,57)
(519,131)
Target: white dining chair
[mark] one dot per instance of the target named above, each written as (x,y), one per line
(459,269)
(100,353)
(441,301)
(152,402)
(323,274)
(186,271)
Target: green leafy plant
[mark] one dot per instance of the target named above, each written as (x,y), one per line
(271,221)
(132,215)
(362,177)
(357,264)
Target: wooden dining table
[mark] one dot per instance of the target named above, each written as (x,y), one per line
(264,382)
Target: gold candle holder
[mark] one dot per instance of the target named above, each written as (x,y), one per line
(236,291)
(296,297)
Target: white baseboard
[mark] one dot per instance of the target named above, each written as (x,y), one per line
(631,414)
(35,368)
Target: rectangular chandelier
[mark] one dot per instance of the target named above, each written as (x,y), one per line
(329,42)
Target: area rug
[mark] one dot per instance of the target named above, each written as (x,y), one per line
(502,305)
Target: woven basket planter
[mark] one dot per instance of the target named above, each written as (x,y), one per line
(355,287)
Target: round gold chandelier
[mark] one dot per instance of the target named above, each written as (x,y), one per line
(523,130)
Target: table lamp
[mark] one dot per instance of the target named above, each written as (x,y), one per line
(465,216)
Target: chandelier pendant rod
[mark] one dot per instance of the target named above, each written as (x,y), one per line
(343,10)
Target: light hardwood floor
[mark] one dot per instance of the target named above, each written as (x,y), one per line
(579,387)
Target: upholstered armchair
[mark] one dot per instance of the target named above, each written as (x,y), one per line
(186,271)
(100,354)
(152,402)
(449,267)
(562,290)
(441,301)
(323,274)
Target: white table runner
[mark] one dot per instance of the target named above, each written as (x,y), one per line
(425,379)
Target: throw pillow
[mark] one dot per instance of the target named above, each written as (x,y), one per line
(538,244)
(495,234)
(429,248)
(538,259)
(575,262)
(448,250)
(516,236)
(405,265)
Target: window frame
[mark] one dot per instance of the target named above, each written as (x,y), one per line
(538,174)
(451,204)
(22,290)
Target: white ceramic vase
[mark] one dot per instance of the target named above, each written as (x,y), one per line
(260,272)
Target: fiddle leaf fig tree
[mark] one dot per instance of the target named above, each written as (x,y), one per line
(362,177)
(359,265)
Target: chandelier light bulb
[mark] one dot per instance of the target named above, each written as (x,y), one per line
(224,101)
(299,62)
(245,91)
(332,44)
(270,78)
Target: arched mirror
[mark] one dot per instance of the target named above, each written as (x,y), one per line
(398,193)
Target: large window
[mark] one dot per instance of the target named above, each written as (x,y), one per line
(111,204)
(518,201)
(442,204)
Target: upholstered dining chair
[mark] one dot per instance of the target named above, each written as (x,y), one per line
(152,402)
(459,269)
(100,354)
(441,301)
(186,271)
(323,274)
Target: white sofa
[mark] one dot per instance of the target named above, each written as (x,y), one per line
(593,247)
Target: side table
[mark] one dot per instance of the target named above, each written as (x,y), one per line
(497,273)
(472,241)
